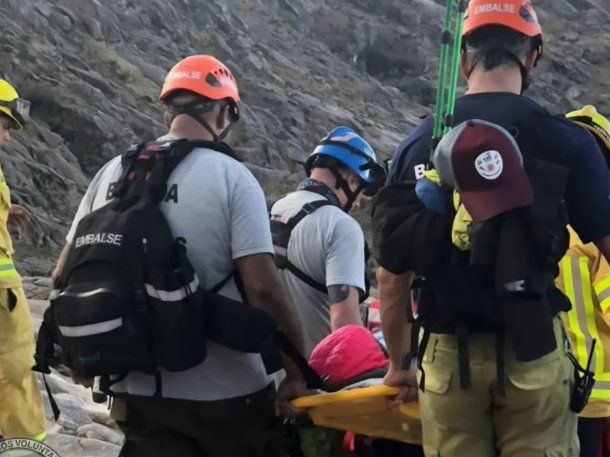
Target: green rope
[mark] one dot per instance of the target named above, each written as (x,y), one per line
(455,66)
(442,78)
(449,66)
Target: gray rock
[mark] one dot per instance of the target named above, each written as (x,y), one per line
(94,28)
(60,20)
(73,414)
(100,433)
(37,287)
(73,446)
(44,8)
(102,416)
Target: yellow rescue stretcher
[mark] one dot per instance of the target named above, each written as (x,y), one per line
(365,411)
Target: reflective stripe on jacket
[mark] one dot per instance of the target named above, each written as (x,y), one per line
(6,245)
(8,274)
(585,279)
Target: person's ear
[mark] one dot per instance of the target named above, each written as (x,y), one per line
(353,180)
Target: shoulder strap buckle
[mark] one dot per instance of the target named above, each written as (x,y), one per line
(309,208)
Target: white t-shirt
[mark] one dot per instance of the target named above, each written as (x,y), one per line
(328,246)
(216,204)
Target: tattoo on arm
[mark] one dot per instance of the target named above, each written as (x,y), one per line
(338,293)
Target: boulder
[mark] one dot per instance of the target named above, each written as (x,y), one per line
(100,433)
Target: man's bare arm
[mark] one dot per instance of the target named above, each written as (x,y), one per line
(394,300)
(265,290)
(61,262)
(394,295)
(344,306)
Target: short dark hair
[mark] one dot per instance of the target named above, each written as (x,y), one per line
(496,45)
(171,98)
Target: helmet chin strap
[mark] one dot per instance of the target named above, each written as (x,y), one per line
(341,183)
(195,110)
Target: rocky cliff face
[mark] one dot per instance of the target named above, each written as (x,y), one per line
(92,70)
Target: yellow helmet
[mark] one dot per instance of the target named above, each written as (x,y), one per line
(13,107)
(593,121)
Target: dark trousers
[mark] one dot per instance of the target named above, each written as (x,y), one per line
(237,427)
(592,436)
(387,448)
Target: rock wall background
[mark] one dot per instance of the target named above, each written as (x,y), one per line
(92,70)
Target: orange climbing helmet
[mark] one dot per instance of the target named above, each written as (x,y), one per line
(204,75)
(517,15)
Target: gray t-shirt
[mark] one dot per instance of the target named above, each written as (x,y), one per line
(216,204)
(328,246)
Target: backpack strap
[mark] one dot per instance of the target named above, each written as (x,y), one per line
(292,268)
(238,283)
(311,378)
(128,160)
(45,352)
(217,146)
(174,152)
(216,288)
(306,210)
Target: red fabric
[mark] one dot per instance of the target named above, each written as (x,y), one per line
(349,352)
(349,441)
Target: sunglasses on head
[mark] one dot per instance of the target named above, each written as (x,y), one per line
(20,109)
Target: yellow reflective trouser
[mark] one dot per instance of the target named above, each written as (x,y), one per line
(21,410)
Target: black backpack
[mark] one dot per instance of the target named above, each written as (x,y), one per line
(129,299)
(281,232)
(463,292)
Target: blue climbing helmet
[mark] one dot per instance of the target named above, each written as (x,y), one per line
(343,147)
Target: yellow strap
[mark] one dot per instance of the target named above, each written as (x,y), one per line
(605,304)
(578,340)
(600,393)
(601,389)
(6,261)
(602,289)
(41,437)
(603,284)
(7,268)
(602,377)
(432,175)
(589,307)
(12,273)
(9,276)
